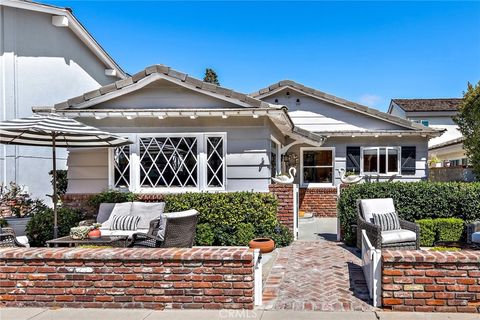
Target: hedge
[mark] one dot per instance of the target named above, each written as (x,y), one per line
(413,201)
(227,218)
(441,229)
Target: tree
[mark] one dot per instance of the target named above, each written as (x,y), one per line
(468,120)
(211,76)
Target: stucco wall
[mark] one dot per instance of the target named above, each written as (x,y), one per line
(248,150)
(40,64)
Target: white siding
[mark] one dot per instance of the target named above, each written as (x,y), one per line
(248,150)
(40,65)
(319,116)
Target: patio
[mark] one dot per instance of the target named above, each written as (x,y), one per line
(316,275)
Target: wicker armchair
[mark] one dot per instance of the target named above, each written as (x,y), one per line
(8,238)
(180,231)
(471,229)
(374,232)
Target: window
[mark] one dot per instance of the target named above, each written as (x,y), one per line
(121,167)
(274,158)
(426,123)
(380,160)
(190,161)
(317,166)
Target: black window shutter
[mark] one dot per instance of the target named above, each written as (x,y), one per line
(409,155)
(353,159)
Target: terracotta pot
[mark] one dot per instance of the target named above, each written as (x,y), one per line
(95,234)
(265,245)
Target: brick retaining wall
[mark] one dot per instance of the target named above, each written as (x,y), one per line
(427,281)
(195,278)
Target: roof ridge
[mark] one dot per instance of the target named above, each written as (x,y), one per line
(337,100)
(166,71)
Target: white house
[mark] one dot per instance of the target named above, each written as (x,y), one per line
(46,56)
(194,136)
(437,114)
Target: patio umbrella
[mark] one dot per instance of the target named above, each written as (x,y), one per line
(55,131)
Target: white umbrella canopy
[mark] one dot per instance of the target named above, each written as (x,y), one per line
(52,130)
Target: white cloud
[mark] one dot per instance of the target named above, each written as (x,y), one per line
(370,100)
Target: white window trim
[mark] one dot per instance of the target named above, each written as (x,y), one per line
(201,169)
(316,185)
(388,173)
(279,160)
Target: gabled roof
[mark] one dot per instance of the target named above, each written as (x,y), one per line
(276,87)
(77,28)
(422,105)
(154,73)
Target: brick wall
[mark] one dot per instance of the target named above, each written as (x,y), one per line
(195,278)
(284,193)
(427,281)
(322,202)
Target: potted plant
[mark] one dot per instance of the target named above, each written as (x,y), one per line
(17,207)
(435,162)
(95,232)
(265,245)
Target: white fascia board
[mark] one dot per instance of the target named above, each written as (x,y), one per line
(73,24)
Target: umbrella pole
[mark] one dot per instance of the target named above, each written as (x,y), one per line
(54,197)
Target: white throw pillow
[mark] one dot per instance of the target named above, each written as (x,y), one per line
(120,209)
(147,211)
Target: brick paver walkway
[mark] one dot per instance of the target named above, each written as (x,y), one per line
(316,275)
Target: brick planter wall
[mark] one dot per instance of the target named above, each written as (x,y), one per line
(284,193)
(427,281)
(196,278)
(322,202)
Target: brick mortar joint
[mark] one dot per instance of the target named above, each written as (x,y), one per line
(129,254)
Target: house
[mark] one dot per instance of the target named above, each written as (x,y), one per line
(438,114)
(46,56)
(194,136)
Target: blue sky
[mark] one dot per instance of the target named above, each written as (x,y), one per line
(368,52)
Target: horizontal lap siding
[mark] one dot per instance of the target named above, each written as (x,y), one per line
(247,159)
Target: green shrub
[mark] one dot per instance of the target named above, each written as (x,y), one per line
(205,235)
(112,196)
(449,229)
(281,235)
(445,249)
(228,214)
(427,232)
(244,233)
(3,223)
(413,201)
(40,227)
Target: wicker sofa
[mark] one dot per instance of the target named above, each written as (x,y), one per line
(408,237)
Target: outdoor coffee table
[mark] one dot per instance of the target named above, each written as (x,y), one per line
(114,241)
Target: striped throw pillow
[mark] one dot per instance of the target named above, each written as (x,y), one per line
(387,221)
(128,223)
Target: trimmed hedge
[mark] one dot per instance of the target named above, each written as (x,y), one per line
(441,229)
(234,218)
(413,201)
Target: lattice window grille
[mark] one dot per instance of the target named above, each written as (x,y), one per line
(121,164)
(215,172)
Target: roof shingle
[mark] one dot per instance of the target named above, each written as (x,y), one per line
(442,104)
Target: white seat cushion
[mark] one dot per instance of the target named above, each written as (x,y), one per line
(401,235)
(120,209)
(476,237)
(147,211)
(23,240)
(182,214)
(371,206)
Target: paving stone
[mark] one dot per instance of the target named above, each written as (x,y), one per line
(317,275)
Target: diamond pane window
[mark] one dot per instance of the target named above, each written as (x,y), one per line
(121,167)
(168,162)
(215,162)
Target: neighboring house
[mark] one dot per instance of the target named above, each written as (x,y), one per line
(194,136)
(438,114)
(46,56)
